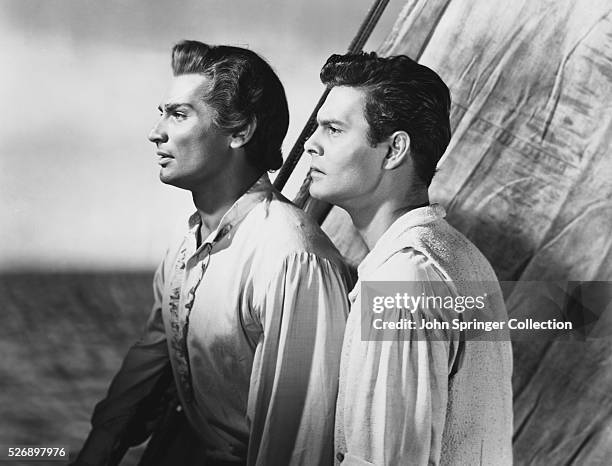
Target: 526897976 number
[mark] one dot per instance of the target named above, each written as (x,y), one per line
(34,452)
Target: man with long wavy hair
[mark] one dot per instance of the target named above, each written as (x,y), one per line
(250,304)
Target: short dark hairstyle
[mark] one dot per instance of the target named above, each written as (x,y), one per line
(400,95)
(243,87)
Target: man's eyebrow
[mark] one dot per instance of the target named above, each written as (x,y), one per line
(330,121)
(173,106)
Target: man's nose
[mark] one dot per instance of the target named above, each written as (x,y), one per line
(157,133)
(311,147)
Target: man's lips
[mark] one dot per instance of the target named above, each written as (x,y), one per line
(315,170)
(164,157)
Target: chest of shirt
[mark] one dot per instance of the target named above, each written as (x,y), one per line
(210,294)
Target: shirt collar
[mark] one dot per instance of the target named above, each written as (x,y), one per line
(260,190)
(392,240)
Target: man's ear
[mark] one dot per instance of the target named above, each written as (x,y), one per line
(399,150)
(242,136)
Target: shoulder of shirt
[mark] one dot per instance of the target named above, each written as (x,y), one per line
(451,249)
(280,224)
(406,264)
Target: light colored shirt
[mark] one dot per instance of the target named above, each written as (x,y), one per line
(422,398)
(252,321)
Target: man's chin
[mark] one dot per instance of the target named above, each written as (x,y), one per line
(168,179)
(165,177)
(317,193)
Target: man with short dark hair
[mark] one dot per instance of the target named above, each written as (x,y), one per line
(250,304)
(408,395)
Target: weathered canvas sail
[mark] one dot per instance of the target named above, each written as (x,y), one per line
(528,178)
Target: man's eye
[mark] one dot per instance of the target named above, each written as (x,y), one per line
(179,116)
(332,130)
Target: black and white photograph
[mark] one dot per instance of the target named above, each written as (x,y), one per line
(306,233)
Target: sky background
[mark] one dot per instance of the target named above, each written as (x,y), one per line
(80,86)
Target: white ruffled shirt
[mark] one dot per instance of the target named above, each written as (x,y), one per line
(400,402)
(252,321)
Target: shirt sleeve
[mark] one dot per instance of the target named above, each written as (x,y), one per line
(393,401)
(116,418)
(294,379)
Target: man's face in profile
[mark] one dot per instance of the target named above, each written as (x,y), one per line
(191,148)
(345,167)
